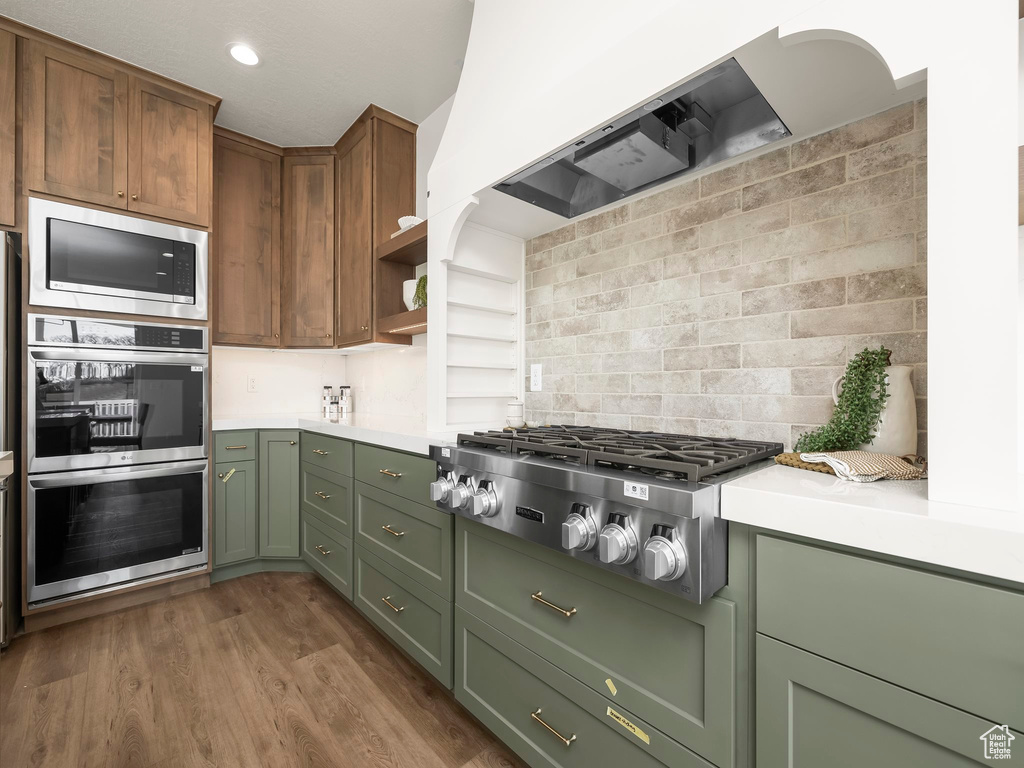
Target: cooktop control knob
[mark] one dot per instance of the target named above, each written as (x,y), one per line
(664,559)
(441,488)
(579,531)
(484,502)
(460,493)
(617,545)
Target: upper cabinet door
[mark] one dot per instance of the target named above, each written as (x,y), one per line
(307,284)
(170,151)
(355,239)
(8,49)
(76,127)
(246,244)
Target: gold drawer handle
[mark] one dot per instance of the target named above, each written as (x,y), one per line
(392,531)
(322,551)
(389,473)
(392,606)
(322,495)
(560,737)
(318,451)
(537,596)
(235,447)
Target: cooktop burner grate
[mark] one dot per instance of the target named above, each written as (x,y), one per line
(665,456)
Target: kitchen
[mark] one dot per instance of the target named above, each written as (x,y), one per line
(323,490)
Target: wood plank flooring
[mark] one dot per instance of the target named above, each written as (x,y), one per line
(272,669)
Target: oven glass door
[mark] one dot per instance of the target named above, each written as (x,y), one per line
(100,528)
(97,408)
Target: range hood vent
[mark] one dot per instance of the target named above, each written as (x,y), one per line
(717,115)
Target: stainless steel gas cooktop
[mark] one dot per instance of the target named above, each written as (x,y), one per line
(642,504)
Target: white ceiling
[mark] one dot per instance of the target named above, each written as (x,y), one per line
(321,61)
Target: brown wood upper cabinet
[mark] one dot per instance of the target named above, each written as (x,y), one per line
(8,79)
(307,284)
(376,185)
(246,244)
(99,134)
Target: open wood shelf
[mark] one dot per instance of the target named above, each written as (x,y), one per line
(410,247)
(404,323)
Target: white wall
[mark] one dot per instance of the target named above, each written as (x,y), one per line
(428,138)
(288,382)
(391,381)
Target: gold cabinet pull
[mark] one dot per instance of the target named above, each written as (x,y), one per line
(120,193)
(220,474)
(318,451)
(568,742)
(322,551)
(322,495)
(291,442)
(538,597)
(392,531)
(392,606)
(389,473)
(235,447)
(135,197)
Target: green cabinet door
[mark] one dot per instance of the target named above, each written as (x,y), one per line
(279,493)
(234,512)
(814,712)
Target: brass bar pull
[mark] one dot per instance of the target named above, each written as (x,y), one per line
(538,597)
(392,531)
(392,606)
(322,551)
(317,450)
(389,473)
(322,495)
(235,447)
(560,737)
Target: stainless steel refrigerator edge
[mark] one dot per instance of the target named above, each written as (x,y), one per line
(10,420)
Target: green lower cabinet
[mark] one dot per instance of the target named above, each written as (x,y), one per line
(328,553)
(417,620)
(234,512)
(815,712)
(279,493)
(547,717)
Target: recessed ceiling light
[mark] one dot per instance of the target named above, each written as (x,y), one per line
(243,54)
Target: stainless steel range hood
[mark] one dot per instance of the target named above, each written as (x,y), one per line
(717,115)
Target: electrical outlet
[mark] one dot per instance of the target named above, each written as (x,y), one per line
(536,378)
(250,384)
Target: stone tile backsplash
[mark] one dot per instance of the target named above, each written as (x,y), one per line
(728,304)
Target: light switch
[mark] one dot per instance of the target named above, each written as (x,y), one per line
(535,377)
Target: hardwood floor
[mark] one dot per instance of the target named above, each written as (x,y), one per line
(270,670)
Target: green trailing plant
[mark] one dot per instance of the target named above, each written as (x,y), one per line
(419,299)
(860,405)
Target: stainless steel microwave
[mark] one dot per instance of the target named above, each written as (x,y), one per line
(81,258)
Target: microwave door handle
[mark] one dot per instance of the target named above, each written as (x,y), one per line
(120,356)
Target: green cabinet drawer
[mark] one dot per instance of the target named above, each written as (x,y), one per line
(920,630)
(535,708)
(327,452)
(279,493)
(327,495)
(814,712)
(670,661)
(234,446)
(234,512)
(417,620)
(401,473)
(415,539)
(329,554)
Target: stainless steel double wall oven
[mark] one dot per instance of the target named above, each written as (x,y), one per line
(117,416)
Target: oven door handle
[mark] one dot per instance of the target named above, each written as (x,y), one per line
(114,474)
(119,356)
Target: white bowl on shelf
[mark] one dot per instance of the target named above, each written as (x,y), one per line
(409,221)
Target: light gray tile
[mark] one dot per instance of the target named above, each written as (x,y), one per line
(743,225)
(603,342)
(536,331)
(576,326)
(760,328)
(640,405)
(663,424)
(863,257)
(571,289)
(575,402)
(878,317)
(635,274)
(921,114)
(665,337)
(602,221)
(550,347)
(746,381)
(745,430)
(576,364)
(632,232)
(602,382)
(537,261)
(703,406)
(784,408)
(815,381)
(602,302)
(888,284)
(809,295)
(889,220)
(608,420)
(667,290)
(636,361)
(768,164)
(703,260)
(853,136)
(666,382)
(552,275)
(855,196)
(703,211)
(602,262)
(907,348)
(717,307)
(538,401)
(745,277)
(664,245)
(804,181)
(575,249)
(673,197)
(631,317)
(538,296)
(700,358)
(817,236)
(889,155)
(921,314)
(551,239)
(792,353)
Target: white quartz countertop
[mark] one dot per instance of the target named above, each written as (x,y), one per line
(889,516)
(396,432)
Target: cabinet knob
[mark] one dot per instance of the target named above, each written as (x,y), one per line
(364,328)
(120,193)
(220,474)
(135,197)
(328,335)
(277,335)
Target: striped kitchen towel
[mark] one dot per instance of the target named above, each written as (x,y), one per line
(865,467)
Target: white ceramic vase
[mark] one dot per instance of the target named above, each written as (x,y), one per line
(897,426)
(408,292)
